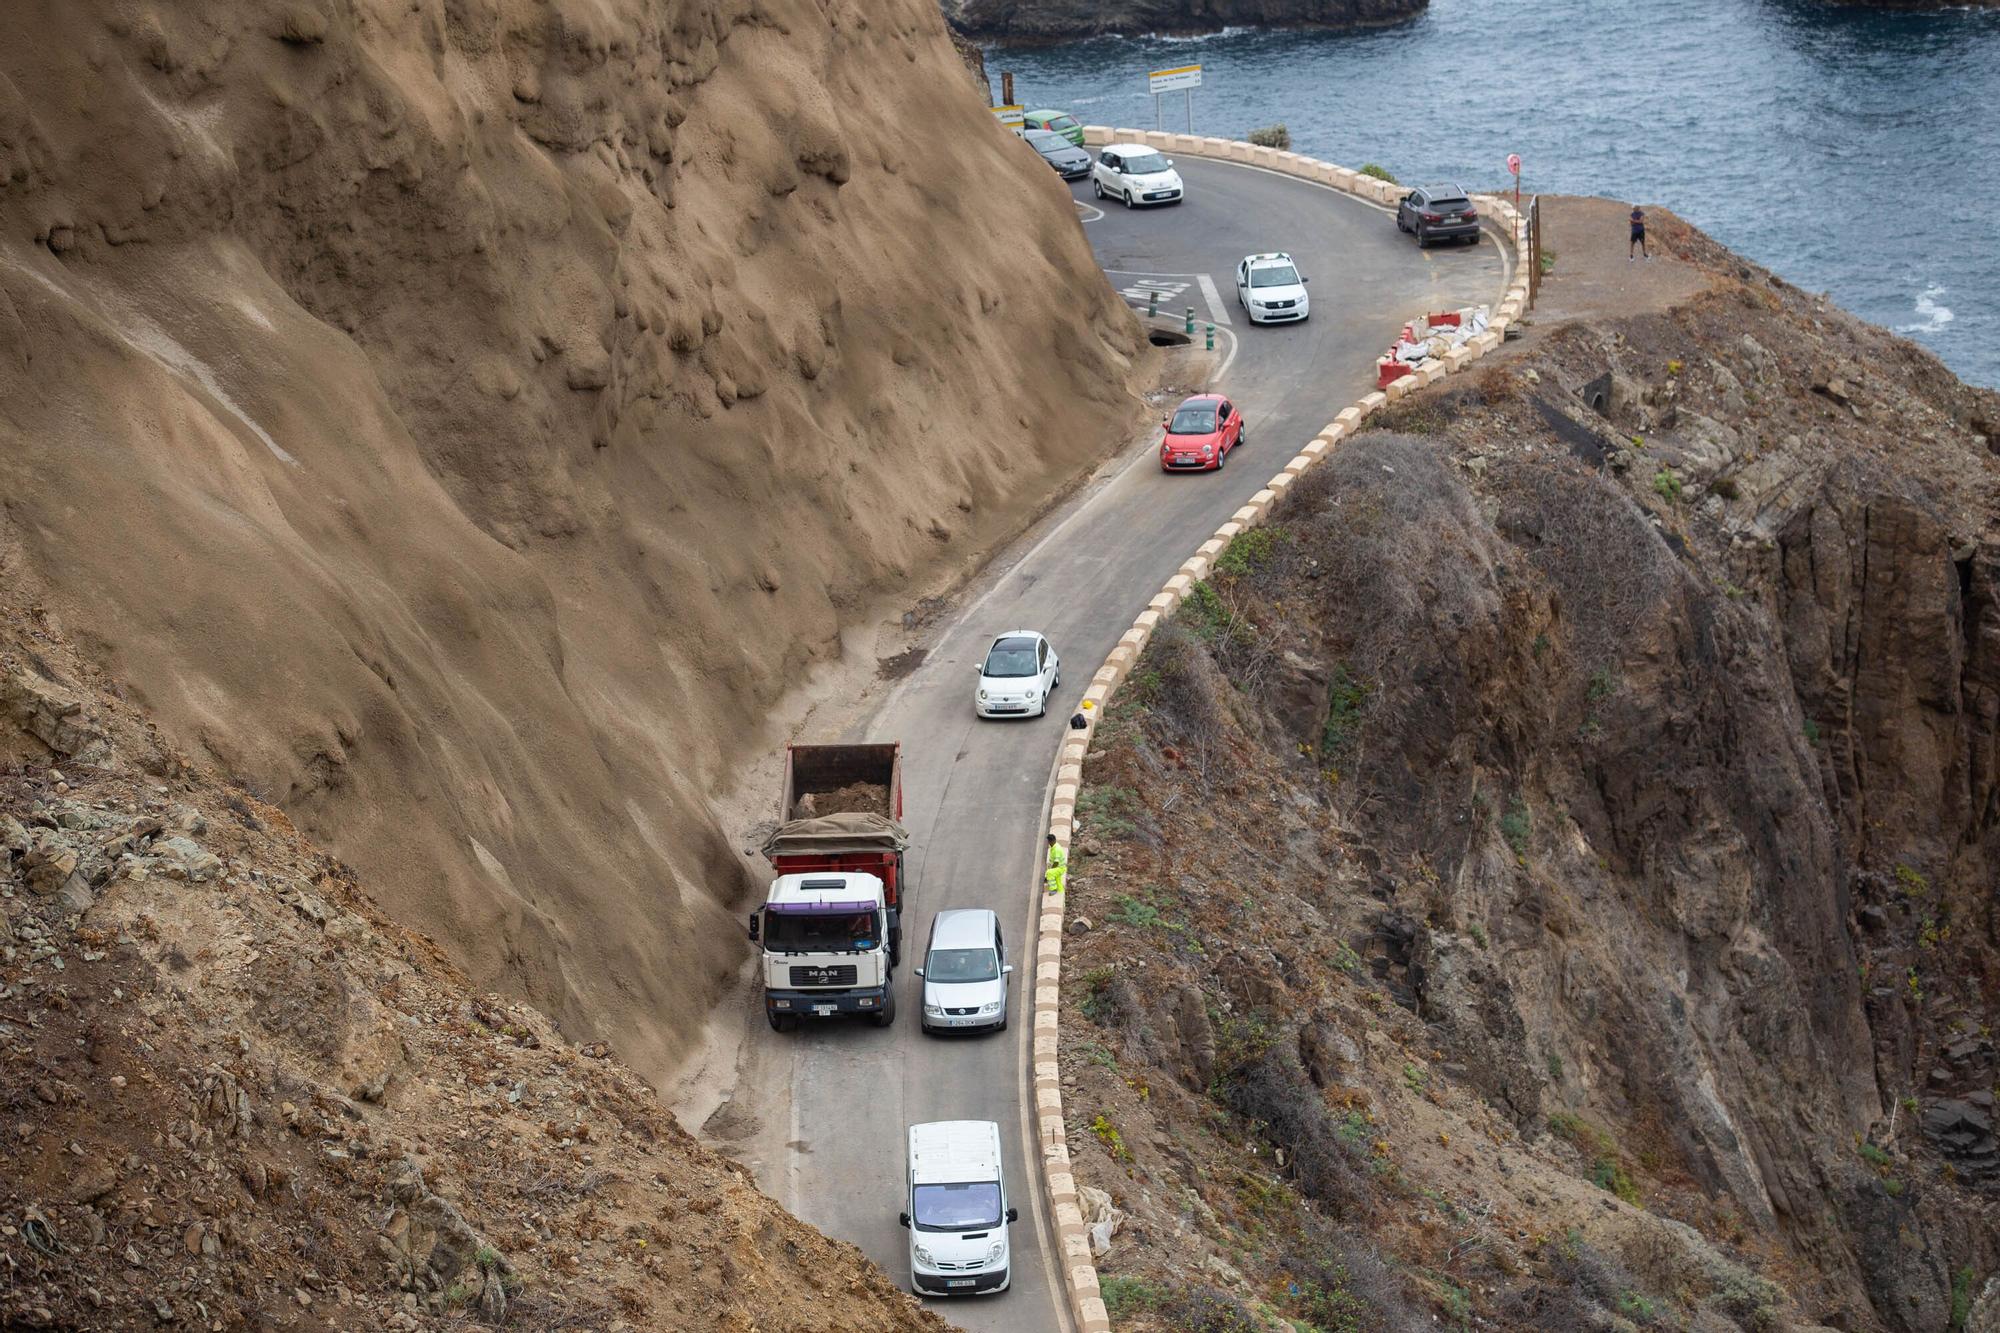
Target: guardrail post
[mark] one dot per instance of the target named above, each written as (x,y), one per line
(1190,321)
(1152,303)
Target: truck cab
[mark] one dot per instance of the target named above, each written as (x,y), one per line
(826,949)
(956,1195)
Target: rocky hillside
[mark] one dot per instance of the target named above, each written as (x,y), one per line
(1546,879)
(1057,20)
(237,1096)
(457,423)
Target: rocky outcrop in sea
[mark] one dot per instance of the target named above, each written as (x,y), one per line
(1056,20)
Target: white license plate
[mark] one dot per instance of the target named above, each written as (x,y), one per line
(826,1008)
(958,1282)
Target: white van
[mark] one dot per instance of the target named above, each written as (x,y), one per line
(958,1211)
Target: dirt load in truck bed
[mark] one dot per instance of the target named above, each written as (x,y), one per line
(856,798)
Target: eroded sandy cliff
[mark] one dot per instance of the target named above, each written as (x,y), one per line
(459,420)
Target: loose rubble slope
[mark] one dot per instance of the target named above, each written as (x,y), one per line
(234,1095)
(1545,879)
(460,422)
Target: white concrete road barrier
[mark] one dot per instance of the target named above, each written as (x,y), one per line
(1058,1179)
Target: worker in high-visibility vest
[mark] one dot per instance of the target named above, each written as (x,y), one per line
(1055,878)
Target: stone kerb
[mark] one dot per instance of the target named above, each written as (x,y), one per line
(1058,1178)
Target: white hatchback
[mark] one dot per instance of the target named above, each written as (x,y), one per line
(1135,174)
(1271,289)
(1017,677)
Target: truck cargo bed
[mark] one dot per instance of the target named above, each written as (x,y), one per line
(843,779)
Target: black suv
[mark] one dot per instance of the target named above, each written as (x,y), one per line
(1438,213)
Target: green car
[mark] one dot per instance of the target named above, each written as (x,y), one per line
(1056,122)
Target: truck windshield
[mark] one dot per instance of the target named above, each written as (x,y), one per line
(974,1206)
(819,932)
(949,965)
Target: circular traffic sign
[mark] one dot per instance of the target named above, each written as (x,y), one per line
(1514,163)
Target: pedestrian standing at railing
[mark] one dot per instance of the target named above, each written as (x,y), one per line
(1638,241)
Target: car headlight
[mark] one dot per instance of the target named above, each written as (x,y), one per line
(995,1250)
(982,695)
(923,1255)
(992,1008)
(933,1011)
(1207,449)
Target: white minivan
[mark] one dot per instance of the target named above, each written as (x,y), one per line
(965,972)
(1136,174)
(958,1211)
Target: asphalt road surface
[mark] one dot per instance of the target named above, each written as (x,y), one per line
(974,790)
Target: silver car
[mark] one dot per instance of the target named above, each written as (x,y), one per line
(965,973)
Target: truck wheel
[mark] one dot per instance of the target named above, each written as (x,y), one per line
(783,1022)
(886,1015)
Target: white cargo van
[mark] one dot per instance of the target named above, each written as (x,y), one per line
(958,1211)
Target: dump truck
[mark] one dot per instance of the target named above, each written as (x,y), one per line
(831,926)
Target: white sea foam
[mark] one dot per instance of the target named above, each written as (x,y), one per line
(1932,315)
(1233,30)
(1165,39)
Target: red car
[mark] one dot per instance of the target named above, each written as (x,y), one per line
(1200,434)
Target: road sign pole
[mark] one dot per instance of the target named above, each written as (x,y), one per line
(1184,81)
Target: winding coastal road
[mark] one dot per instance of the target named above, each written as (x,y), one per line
(975,791)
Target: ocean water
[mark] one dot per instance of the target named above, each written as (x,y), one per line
(1854,153)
